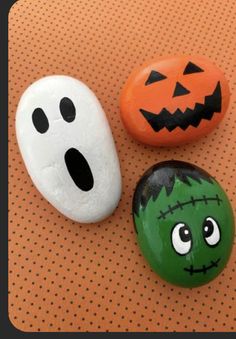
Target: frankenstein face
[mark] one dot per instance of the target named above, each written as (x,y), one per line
(184,223)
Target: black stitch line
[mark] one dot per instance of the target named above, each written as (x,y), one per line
(218,199)
(170,209)
(192,201)
(204,268)
(179,204)
(205,199)
(162,215)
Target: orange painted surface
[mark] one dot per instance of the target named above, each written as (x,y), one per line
(159,95)
(65,276)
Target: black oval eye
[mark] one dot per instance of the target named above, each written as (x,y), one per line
(154,77)
(67,109)
(40,120)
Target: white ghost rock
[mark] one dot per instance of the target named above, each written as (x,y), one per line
(68,149)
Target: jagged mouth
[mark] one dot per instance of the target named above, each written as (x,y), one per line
(204,268)
(190,117)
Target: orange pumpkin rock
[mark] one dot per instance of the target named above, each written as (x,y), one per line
(174,101)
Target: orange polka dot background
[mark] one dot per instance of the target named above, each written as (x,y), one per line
(65,276)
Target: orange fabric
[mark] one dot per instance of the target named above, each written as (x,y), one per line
(157,96)
(65,276)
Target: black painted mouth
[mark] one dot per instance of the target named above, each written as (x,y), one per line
(190,117)
(79,169)
(204,268)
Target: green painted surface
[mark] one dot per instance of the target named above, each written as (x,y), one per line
(189,205)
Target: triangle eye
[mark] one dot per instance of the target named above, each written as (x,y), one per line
(154,77)
(192,68)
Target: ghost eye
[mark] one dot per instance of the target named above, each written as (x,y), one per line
(154,77)
(67,109)
(211,231)
(181,238)
(40,120)
(192,68)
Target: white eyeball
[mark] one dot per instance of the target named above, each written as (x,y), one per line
(181,238)
(211,231)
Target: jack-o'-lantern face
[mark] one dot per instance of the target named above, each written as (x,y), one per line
(173,101)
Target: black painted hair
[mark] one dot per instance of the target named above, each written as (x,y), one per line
(164,174)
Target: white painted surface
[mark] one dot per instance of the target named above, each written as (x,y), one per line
(89,133)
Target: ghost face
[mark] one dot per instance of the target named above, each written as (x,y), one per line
(68,149)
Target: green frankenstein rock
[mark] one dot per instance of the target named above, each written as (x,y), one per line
(184,223)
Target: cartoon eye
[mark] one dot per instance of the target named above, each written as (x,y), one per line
(181,238)
(67,109)
(154,77)
(40,120)
(211,231)
(192,68)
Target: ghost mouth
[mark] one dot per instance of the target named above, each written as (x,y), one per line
(204,268)
(190,117)
(79,169)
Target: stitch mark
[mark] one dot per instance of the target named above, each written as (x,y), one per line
(192,201)
(204,268)
(179,204)
(162,215)
(205,199)
(218,200)
(170,209)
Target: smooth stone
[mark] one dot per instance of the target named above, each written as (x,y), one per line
(68,148)
(184,223)
(173,101)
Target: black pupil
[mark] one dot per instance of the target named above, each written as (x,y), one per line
(184,233)
(208,228)
(67,109)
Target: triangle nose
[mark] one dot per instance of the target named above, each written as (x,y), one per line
(180,90)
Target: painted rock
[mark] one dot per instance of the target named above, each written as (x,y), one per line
(174,101)
(184,223)
(68,149)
